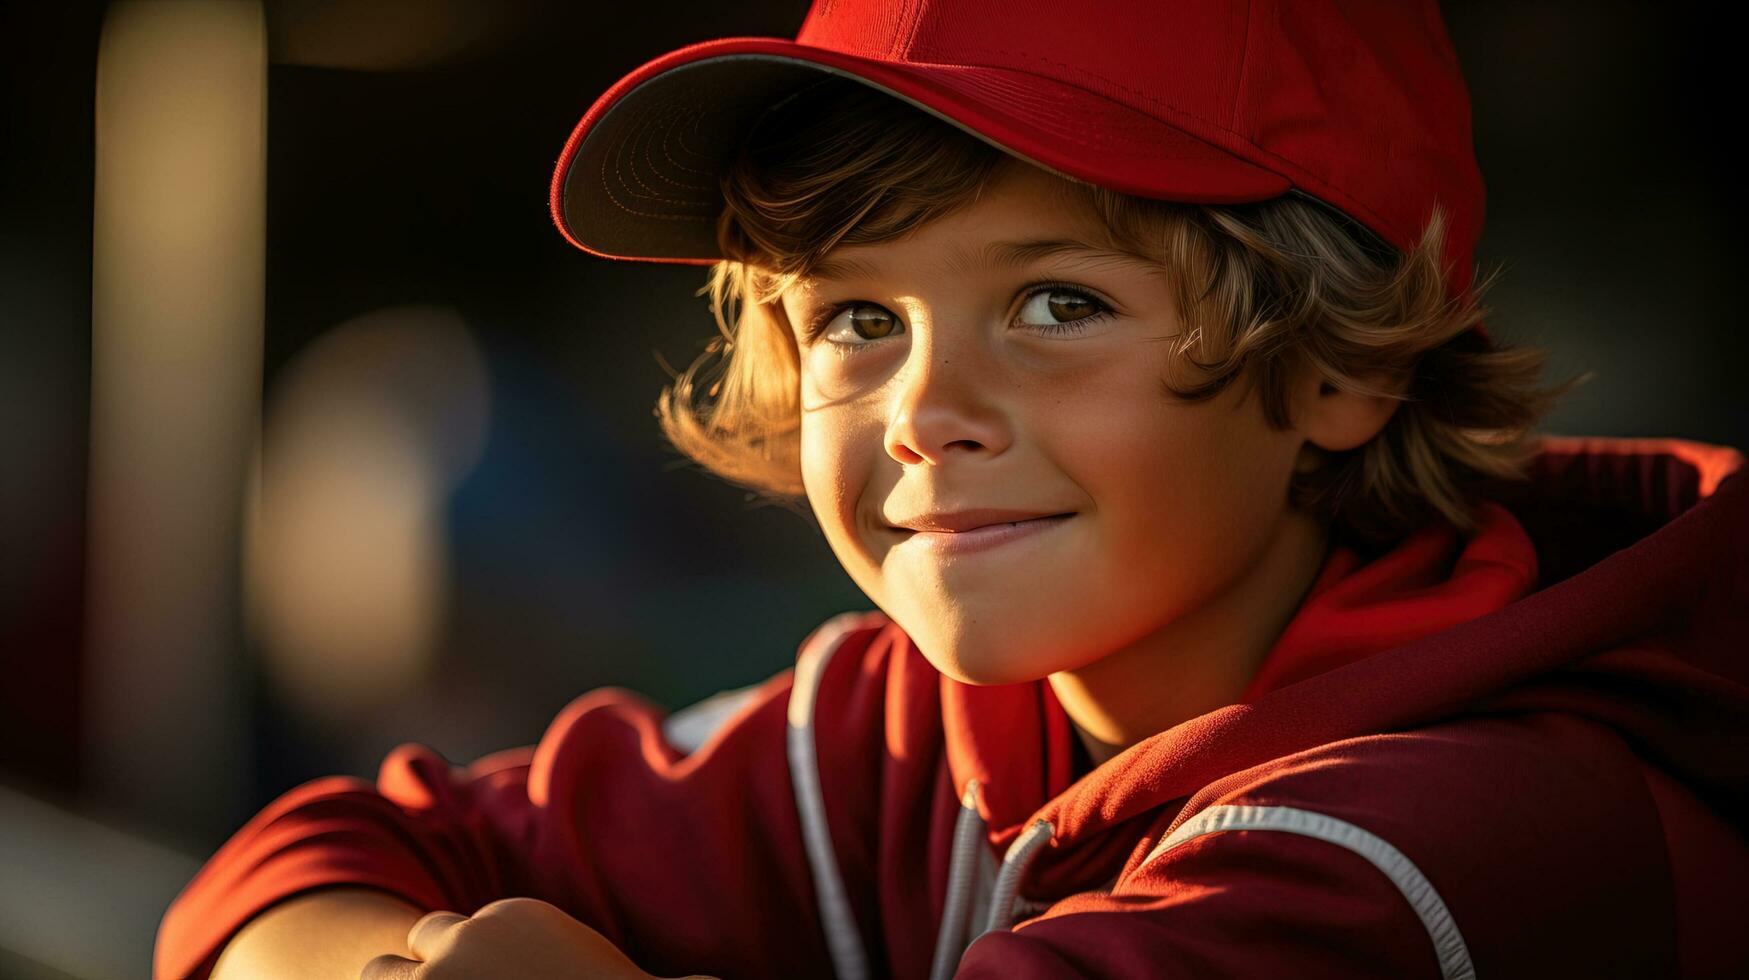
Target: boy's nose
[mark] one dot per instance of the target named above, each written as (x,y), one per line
(942,403)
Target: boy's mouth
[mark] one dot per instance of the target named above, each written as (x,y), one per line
(961,521)
(978,534)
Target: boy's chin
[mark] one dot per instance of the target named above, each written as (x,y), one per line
(955,645)
(984,668)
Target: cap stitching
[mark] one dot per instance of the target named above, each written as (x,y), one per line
(660,114)
(1244,59)
(915,13)
(632,171)
(680,138)
(898,37)
(608,190)
(673,131)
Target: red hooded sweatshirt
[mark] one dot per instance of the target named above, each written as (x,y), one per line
(1521,753)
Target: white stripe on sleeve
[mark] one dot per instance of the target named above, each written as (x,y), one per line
(1448,944)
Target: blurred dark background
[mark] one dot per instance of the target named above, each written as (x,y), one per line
(432,347)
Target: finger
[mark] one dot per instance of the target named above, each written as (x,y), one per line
(429,934)
(390,967)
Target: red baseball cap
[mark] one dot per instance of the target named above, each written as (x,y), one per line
(1358,104)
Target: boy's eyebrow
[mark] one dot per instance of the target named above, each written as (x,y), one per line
(993,254)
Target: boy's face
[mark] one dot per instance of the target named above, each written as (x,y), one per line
(950,394)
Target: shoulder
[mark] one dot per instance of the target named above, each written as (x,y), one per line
(841,646)
(834,655)
(1514,839)
(1540,767)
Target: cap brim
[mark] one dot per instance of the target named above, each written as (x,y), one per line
(638,179)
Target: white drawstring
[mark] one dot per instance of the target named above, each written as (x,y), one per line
(953,938)
(1014,865)
(968,831)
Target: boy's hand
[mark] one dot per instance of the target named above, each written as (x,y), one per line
(513,937)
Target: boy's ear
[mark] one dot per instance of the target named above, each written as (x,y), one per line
(1332,419)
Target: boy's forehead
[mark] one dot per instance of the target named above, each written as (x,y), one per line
(867,261)
(1021,216)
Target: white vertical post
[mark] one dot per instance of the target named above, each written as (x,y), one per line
(176,347)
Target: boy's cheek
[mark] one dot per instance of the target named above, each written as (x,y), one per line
(839,454)
(835,486)
(830,381)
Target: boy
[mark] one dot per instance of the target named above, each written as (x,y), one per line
(1231,623)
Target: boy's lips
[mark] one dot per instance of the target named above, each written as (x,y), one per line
(961,521)
(980,537)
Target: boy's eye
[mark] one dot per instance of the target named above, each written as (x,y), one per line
(1050,308)
(865,321)
(1056,305)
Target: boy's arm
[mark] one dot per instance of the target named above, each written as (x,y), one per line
(688,857)
(327,934)
(685,853)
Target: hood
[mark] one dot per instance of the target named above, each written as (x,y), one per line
(1613,584)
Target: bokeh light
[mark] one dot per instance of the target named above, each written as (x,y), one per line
(367,432)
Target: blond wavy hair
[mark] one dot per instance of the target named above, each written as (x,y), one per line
(1260,286)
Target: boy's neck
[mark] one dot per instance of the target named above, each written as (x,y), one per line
(1200,661)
